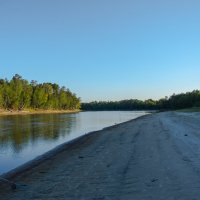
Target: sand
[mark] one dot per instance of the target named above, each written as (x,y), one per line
(34,112)
(153,157)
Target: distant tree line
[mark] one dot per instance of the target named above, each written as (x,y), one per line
(19,94)
(176,101)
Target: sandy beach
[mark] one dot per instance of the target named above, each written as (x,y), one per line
(34,112)
(154,157)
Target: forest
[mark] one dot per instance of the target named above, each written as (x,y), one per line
(19,94)
(176,101)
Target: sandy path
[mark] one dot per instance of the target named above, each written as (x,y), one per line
(155,157)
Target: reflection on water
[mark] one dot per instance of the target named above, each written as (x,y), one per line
(16,132)
(22,138)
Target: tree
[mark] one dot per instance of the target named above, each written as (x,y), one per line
(19,94)
(26,95)
(39,97)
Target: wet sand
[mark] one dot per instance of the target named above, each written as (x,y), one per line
(153,157)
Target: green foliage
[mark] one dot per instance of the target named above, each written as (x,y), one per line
(40,97)
(132,104)
(179,101)
(1,97)
(19,94)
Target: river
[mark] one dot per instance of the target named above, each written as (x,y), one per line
(24,137)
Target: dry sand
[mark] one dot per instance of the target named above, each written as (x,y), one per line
(34,112)
(155,157)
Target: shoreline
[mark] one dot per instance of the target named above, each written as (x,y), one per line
(58,149)
(43,157)
(35,112)
(150,157)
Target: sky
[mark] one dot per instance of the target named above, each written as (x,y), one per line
(103,49)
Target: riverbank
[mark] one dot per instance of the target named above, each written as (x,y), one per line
(153,157)
(193,109)
(33,112)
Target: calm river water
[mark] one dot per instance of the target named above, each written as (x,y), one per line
(24,137)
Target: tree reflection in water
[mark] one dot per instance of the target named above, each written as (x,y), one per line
(17,132)
(23,138)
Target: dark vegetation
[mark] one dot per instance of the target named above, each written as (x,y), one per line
(176,101)
(19,94)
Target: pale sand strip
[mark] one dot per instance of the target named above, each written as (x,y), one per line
(34,112)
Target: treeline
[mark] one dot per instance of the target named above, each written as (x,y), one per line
(19,94)
(176,101)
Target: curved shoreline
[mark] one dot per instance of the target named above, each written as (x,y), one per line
(151,157)
(42,158)
(56,150)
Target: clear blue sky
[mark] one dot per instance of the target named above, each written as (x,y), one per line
(103,49)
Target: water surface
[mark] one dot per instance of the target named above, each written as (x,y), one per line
(24,137)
